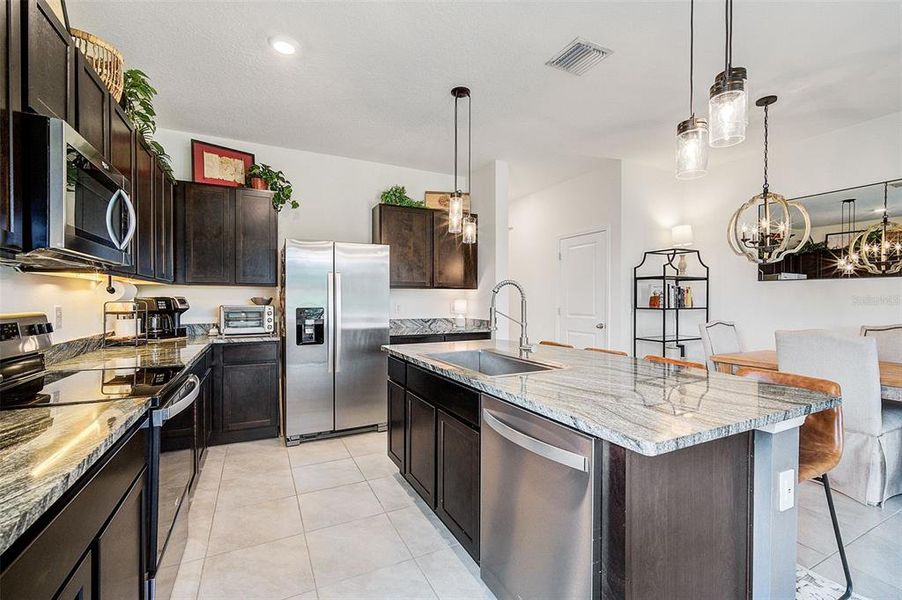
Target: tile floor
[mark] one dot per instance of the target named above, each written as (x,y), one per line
(333,519)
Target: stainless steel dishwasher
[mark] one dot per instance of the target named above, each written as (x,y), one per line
(539,537)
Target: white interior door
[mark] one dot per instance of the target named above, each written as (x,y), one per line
(583,290)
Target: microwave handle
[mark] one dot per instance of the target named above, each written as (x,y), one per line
(109,218)
(132,220)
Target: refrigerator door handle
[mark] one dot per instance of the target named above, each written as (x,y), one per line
(337,313)
(330,325)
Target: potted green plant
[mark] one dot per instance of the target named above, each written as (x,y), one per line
(274,181)
(397,195)
(137,99)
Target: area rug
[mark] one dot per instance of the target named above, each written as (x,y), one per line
(811,586)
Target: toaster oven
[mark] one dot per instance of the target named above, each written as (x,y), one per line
(246,320)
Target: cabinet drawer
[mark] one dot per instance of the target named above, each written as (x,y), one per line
(417,339)
(397,370)
(250,352)
(457,400)
(475,335)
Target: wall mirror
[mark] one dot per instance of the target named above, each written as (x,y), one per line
(849,238)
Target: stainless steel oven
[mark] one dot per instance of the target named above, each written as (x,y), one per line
(246,320)
(77,206)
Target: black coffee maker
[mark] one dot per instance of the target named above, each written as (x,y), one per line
(164,316)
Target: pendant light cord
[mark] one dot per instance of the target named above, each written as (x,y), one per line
(469,146)
(728,39)
(766,186)
(691,55)
(455,144)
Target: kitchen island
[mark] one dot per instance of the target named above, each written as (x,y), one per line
(601,475)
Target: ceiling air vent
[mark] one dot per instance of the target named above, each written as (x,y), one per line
(579,56)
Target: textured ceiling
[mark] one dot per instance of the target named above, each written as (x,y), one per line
(372,80)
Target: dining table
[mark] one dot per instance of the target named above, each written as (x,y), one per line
(890,372)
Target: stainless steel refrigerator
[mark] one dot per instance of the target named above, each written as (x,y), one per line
(336,315)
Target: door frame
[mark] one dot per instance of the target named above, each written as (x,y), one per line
(605,229)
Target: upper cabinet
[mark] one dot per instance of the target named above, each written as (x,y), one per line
(47,58)
(164,261)
(142,194)
(92,106)
(10,204)
(225,235)
(422,252)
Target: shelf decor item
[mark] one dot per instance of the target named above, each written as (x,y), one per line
(768,237)
(219,165)
(274,181)
(105,59)
(442,200)
(397,196)
(676,297)
(139,95)
(692,134)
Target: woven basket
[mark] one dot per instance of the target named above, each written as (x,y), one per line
(107,61)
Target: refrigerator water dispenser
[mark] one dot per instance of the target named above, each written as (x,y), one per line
(309,325)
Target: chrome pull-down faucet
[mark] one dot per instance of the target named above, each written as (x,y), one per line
(525,346)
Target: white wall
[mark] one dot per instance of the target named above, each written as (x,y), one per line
(858,155)
(539,220)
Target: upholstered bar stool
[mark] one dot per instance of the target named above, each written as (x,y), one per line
(607,351)
(675,362)
(820,442)
(558,344)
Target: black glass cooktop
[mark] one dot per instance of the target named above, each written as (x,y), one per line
(76,387)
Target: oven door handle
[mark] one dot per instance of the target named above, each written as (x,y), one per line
(109,219)
(132,220)
(180,405)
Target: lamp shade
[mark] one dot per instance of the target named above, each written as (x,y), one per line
(459,306)
(681,236)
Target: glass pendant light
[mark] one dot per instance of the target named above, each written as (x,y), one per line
(728,103)
(469,226)
(692,134)
(460,221)
(455,212)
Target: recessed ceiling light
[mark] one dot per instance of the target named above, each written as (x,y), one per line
(283,45)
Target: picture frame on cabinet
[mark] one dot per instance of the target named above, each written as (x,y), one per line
(218,165)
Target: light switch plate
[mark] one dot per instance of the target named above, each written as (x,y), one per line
(787,489)
(57,317)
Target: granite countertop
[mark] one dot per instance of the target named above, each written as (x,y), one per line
(412,327)
(43,452)
(645,407)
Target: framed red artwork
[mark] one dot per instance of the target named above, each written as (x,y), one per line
(219,165)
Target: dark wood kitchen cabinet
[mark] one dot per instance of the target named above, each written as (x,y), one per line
(457,479)
(422,253)
(92,106)
(164,260)
(47,62)
(396,418)
(122,145)
(10,94)
(144,208)
(408,233)
(119,551)
(246,393)
(225,235)
(419,432)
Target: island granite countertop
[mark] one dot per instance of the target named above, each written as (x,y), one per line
(645,407)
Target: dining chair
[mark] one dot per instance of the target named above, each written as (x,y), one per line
(889,341)
(870,470)
(675,362)
(820,443)
(607,351)
(719,337)
(550,343)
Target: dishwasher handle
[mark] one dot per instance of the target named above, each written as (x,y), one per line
(543,449)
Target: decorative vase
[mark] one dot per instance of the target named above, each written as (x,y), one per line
(682,266)
(258,184)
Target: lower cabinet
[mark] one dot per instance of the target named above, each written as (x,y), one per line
(457,479)
(396,417)
(120,551)
(81,584)
(420,434)
(245,392)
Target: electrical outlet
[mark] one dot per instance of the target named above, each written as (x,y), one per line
(57,317)
(787,491)
(397,309)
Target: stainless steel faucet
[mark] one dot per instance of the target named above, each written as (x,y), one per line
(525,346)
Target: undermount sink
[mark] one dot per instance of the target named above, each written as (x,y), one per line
(490,363)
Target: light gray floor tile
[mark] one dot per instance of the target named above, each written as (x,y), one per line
(374,466)
(854,517)
(251,463)
(403,581)
(366,443)
(311,453)
(237,527)
(200,520)
(816,532)
(337,505)
(879,552)
(273,570)
(421,530)
(863,583)
(187,581)
(354,548)
(326,475)
(269,445)
(453,575)
(393,492)
(808,557)
(311,595)
(253,488)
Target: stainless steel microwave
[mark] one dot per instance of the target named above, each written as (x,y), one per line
(77,208)
(246,320)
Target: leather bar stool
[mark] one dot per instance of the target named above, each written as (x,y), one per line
(606,351)
(557,344)
(820,442)
(675,362)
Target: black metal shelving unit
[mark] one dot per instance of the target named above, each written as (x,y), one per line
(669,275)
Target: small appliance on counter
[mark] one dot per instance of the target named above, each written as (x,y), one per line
(247,320)
(164,316)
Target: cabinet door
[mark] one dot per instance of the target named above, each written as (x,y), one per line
(163,220)
(81,584)
(144,206)
(201,430)
(209,233)
(120,548)
(256,237)
(10,202)
(457,480)
(122,145)
(250,397)
(408,232)
(396,412)
(420,434)
(47,62)
(92,105)
(454,262)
